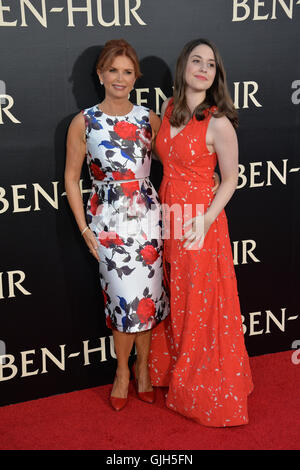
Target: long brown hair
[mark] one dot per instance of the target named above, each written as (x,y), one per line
(217,95)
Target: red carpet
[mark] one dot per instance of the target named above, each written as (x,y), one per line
(84,419)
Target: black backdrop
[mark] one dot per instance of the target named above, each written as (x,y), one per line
(52,332)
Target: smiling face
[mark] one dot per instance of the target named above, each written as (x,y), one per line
(118,79)
(200,69)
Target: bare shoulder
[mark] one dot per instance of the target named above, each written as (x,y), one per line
(77,127)
(221,128)
(155,123)
(221,124)
(154,119)
(78,121)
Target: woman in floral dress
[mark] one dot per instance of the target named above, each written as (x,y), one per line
(123,212)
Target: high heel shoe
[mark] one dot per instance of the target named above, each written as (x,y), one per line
(148,397)
(118,403)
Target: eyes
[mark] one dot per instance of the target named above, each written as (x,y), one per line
(210,65)
(127,72)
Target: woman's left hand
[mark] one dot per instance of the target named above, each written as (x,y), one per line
(194,238)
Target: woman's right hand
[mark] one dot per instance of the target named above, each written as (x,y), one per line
(92,243)
(217,182)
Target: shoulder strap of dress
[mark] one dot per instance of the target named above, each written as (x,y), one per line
(213,109)
(204,123)
(208,113)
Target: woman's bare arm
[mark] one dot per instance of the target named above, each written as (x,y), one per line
(155,124)
(226,146)
(76,151)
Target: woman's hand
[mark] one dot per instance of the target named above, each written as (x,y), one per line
(92,244)
(217,181)
(194,237)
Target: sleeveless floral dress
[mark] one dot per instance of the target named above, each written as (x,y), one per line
(125,218)
(199,350)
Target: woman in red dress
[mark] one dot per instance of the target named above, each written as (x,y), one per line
(199,351)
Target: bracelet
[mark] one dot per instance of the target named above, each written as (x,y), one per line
(84,230)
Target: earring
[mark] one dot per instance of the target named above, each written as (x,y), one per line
(101,83)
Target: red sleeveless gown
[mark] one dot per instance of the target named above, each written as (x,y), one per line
(199,350)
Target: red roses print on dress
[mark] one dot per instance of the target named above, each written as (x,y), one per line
(145,310)
(122,209)
(94,203)
(128,188)
(97,172)
(149,254)
(126,130)
(110,239)
(123,175)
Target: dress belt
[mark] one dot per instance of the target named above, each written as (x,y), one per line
(119,181)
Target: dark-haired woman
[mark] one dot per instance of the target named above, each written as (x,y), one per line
(123,213)
(199,350)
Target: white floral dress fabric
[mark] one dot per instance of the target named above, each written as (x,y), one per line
(126,219)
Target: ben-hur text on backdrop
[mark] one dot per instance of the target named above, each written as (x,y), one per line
(41,361)
(116,13)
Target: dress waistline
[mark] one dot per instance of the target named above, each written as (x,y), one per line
(187,180)
(119,181)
